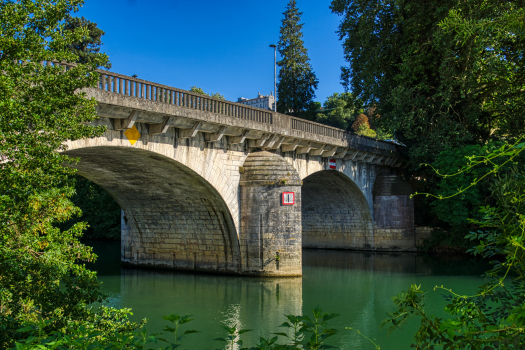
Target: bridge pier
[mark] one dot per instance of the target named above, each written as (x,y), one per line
(270,232)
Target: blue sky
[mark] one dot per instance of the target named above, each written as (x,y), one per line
(220,46)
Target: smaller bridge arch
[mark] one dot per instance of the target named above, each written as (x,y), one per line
(335,213)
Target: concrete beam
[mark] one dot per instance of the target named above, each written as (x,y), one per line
(301,150)
(370,158)
(124,124)
(361,157)
(270,141)
(162,128)
(290,148)
(341,154)
(262,140)
(277,143)
(189,133)
(317,152)
(329,154)
(378,160)
(215,137)
(390,161)
(351,156)
(238,139)
(398,163)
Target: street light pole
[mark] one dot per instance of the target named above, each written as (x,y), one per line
(274,77)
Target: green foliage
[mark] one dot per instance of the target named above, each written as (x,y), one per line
(443,75)
(88,48)
(99,210)
(200,91)
(435,82)
(366,131)
(233,338)
(456,210)
(217,95)
(309,333)
(41,107)
(494,318)
(383,135)
(297,81)
(339,110)
(177,321)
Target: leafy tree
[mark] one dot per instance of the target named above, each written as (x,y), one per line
(41,107)
(217,95)
(297,81)
(88,47)
(494,318)
(99,210)
(430,87)
(434,82)
(361,120)
(200,91)
(339,110)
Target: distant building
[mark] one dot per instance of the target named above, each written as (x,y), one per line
(265,102)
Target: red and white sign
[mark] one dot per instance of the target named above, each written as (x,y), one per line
(288,198)
(332,164)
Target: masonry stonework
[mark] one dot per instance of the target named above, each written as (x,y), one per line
(270,228)
(196,202)
(393,213)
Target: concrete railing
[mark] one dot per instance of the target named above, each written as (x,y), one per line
(134,87)
(130,86)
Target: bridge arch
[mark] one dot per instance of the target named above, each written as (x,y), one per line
(174,218)
(335,213)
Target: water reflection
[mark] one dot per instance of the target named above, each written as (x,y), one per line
(246,303)
(357,285)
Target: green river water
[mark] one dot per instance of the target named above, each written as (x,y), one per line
(356,285)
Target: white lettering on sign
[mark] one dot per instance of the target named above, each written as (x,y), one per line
(288,198)
(332,164)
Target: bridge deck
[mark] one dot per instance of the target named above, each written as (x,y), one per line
(126,100)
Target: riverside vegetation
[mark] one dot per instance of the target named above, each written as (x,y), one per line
(452,78)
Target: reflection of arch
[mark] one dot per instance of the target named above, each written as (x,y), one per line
(175,217)
(335,213)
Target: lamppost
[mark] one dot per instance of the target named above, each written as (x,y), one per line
(274,77)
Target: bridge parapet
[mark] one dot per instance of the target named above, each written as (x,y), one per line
(264,129)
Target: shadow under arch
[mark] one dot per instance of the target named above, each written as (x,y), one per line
(173,217)
(335,213)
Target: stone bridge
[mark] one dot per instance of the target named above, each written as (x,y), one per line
(210,185)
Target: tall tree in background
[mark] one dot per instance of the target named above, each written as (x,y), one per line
(87,48)
(297,81)
(339,110)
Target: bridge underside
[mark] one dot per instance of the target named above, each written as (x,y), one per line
(173,218)
(335,213)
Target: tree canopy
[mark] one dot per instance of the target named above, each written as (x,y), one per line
(339,110)
(200,91)
(433,89)
(296,81)
(87,48)
(41,107)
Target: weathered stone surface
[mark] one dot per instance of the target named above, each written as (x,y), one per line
(183,206)
(335,213)
(393,213)
(270,235)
